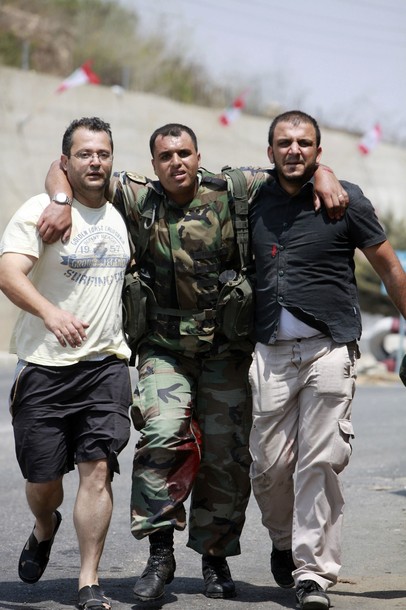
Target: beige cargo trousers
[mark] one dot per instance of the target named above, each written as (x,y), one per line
(300,442)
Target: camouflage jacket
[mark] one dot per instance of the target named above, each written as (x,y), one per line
(188,248)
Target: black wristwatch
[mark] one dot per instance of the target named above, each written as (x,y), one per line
(62,199)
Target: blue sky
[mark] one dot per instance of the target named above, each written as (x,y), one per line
(344,61)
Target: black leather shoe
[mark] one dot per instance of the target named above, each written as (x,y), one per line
(217,578)
(282,567)
(159,571)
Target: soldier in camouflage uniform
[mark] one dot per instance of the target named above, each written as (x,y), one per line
(193,401)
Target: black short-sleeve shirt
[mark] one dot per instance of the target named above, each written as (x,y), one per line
(305,260)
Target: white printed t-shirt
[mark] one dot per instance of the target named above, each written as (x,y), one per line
(84,276)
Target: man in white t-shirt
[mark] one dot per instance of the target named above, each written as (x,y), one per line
(72,391)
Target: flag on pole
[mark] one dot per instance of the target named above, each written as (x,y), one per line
(81,76)
(370,139)
(230,114)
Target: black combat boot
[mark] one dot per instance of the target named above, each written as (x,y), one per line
(217,578)
(160,568)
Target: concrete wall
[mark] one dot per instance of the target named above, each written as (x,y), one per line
(33,119)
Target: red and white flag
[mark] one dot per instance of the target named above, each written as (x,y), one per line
(230,114)
(370,139)
(81,76)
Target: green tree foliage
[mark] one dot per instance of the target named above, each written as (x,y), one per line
(372,299)
(10,50)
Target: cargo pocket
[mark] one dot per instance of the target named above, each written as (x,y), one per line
(342,448)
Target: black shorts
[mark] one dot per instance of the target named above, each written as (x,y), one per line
(71,414)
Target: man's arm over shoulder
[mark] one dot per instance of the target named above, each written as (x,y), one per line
(328,190)
(255,178)
(125,190)
(55,221)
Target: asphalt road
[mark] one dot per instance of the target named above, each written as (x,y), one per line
(374,554)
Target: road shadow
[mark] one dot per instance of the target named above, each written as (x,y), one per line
(62,592)
(373,594)
(16,595)
(246,594)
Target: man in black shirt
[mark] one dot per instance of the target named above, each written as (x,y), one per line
(303,375)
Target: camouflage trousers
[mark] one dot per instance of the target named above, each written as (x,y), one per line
(194,415)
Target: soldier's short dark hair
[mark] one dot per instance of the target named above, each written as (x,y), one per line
(171,129)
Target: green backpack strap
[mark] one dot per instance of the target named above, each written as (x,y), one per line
(137,297)
(238,188)
(149,206)
(147,201)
